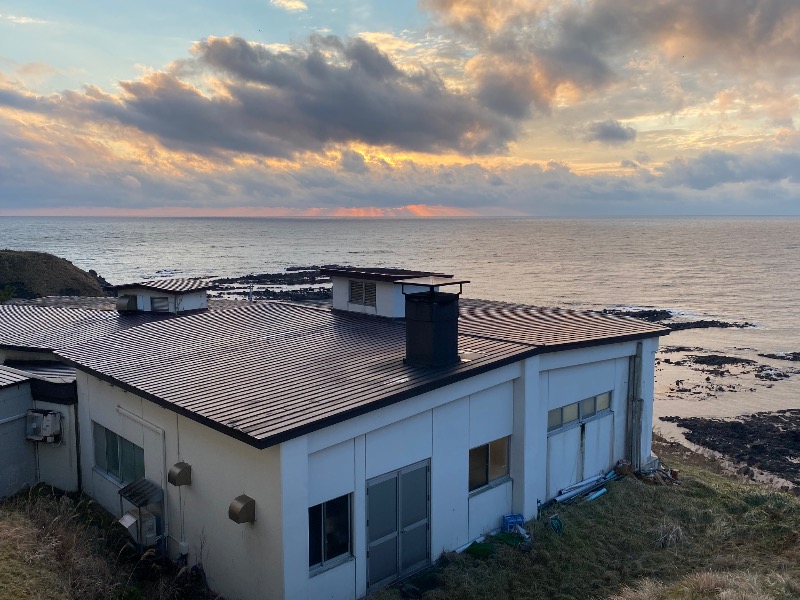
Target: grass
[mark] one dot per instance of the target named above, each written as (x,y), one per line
(53,546)
(710,537)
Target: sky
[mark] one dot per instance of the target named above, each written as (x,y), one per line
(400,109)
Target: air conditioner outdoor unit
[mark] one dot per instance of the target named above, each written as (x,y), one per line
(149,534)
(43,426)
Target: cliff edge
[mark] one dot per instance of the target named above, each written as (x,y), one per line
(25,274)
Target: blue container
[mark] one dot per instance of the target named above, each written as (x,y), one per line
(510,523)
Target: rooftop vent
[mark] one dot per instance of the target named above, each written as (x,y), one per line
(126,303)
(431,322)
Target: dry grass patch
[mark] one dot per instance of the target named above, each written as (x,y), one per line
(54,550)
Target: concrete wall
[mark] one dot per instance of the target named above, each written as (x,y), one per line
(17,455)
(58,462)
(177,302)
(242,561)
(389,299)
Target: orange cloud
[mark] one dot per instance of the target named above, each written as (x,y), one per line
(411,210)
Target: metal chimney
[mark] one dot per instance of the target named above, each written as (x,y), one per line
(431,322)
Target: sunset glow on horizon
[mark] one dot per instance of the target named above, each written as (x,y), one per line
(404,109)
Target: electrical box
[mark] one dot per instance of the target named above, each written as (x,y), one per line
(141,521)
(43,426)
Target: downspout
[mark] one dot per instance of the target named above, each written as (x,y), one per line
(158,430)
(78,447)
(635,408)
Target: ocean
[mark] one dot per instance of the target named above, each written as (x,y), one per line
(727,268)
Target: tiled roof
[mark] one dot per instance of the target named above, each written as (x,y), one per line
(46,328)
(9,378)
(174,285)
(49,369)
(269,372)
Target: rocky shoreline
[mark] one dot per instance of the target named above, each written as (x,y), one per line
(765,441)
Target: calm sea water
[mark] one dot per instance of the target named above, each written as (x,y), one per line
(742,269)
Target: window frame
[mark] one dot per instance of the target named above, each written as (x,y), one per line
(582,416)
(363,293)
(105,439)
(489,482)
(161,300)
(326,562)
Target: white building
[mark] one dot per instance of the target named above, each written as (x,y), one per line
(306,452)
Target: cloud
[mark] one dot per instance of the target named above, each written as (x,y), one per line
(531,54)
(717,168)
(21,20)
(608,132)
(276,104)
(290,5)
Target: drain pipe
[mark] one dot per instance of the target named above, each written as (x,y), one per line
(635,408)
(155,428)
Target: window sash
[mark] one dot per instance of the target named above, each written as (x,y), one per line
(159,303)
(116,456)
(329,531)
(488,463)
(578,412)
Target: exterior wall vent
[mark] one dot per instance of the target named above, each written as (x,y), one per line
(180,474)
(126,303)
(432,323)
(242,510)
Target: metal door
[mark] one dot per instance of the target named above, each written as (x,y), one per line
(398,524)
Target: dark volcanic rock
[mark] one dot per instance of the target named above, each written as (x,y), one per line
(718,360)
(768,441)
(664,317)
(793,356)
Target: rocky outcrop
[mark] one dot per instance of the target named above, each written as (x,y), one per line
(25,274)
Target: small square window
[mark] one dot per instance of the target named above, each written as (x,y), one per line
(159,304)
(569,413)
(554,419)
(478,467)
(498,459)
(363,292)
(587,407)
(603,401)
(116,456)
(488,463)
(329,531)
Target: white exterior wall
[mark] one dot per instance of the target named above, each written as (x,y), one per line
(270,557)
(17,455)
(177,302)
(242,561)
(58,463)
(389,299)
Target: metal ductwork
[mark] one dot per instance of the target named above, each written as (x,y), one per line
(126,303)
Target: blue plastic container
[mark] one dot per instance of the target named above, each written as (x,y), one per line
(510,523)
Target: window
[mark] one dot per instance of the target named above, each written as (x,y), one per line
(159,304)
(363,292)
(116,456)
(488,463)
(328,532)
(578,411)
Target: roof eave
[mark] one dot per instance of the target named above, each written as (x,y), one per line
(284,436)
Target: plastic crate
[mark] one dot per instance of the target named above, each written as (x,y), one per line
(510,523)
